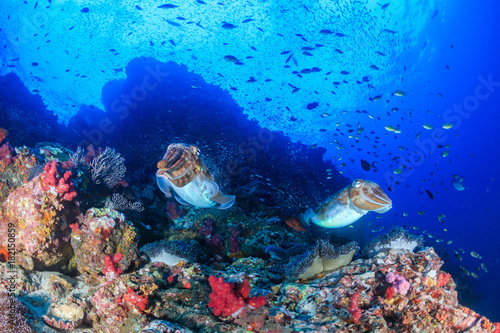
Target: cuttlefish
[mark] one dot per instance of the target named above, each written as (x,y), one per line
(349,204)
(182,170)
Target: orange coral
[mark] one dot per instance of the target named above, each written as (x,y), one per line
(3,134)
(486,323)
(4,255)
(295,224)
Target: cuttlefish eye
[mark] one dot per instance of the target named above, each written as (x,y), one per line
(356,184)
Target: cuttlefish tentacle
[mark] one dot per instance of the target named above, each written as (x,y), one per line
(349,204)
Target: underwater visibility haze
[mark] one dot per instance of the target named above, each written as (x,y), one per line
(259,165)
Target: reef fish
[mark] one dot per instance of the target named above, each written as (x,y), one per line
(3,133)
(182,170)
(349,204)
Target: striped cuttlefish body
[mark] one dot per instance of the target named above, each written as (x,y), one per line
(348,205)
(182,172)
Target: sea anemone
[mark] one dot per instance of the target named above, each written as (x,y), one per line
(324,257)
(169,252)
(397,239)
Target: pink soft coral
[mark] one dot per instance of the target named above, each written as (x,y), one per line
(62,185)
(400,284)
(226,299)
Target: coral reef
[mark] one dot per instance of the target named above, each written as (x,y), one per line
(41,219)
(100,234)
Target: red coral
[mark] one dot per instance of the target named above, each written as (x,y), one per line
(111,269)
(443,279)
(354,309)
(62,185)
(173,212)
(389,292)
(134,298)
(6,153)
(226,299)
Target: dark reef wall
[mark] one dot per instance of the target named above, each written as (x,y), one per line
(161,103)
(25,116)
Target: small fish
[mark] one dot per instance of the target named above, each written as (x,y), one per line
(390,128)
(175,24)
(167,6)
(447,126)
(420,212)
(475,255)
(325,32)
(228,26)
(428,127)
(384,6)
(474,275)
(397,171)
(444,153)
(449,242)
(247,20)
(374,67)
(365,165)
(483,266)
(399,93)
(465,271)
(430,194)
(458,256)
(230,58)
(338,34)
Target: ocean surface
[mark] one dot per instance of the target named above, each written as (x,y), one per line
(410,87)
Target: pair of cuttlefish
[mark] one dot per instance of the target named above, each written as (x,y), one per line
(183,171)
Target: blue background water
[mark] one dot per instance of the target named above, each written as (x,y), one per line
(415,61)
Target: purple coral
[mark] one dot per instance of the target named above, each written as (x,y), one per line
(12,315)
(400,284)
(234,242)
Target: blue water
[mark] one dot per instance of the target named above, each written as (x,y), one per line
(78,54)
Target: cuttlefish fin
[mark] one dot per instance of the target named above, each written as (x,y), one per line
(224,200)
(180,200)
(164,185)
(306,217)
